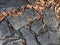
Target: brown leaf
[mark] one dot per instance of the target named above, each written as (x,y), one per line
(29,6)
(19,13)
(4,13)
(2,17)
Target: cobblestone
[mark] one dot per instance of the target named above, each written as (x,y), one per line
(31,1)
(32,27)
(26,18)
(49,38)
(30,39)
(49,18)
(12,3)
(17,42)
(4,30)
(43,39)
(36,26)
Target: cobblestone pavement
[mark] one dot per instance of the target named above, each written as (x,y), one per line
(28,29)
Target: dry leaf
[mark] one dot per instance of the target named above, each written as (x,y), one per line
(13,10)
(42,2)
(22,8)
(29,6)
(4,13)
(35,7)
(19,13)
(58,10)
(2,17)
(23,42)
(41,8)
(39,17)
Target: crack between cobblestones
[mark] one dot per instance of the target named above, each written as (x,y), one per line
(34,35)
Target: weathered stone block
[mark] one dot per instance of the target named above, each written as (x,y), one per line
(30,39)
(49,18)
(12,3)
(19,21)
(32,1)
(44,39)
(54,38)
(16,42)
(4,30)
(36,26)
(50,37)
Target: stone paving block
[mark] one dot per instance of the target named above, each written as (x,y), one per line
(53,44)
(44,39)
(20,21)
(28,36)
(16,35)
(4,30)
(16,42)
(36,26)
(54,37)
(49,17)
(32,1)
(12,3)
(44,30)
(50,37)
(1,42)
(2,1)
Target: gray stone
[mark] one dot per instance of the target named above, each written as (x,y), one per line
(36,26)
(44,39)
(49,18)
(53,44)
(4,30)
(12,3)
(1,42)
(44,30)
(20,21)
(54,38)
(16,42)
(50,37)
(16,35)
(2,1)
(32,1)
(30,39)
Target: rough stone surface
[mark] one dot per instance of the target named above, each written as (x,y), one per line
(20,21)
(49,18)
(27,26)
(16,35)
(4,30)
(54,38)
(44,30)
(49,38)
(32,1)
(36,26)
(12,3)
(16,42)
(43,39)
(30,39)
(1,42)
